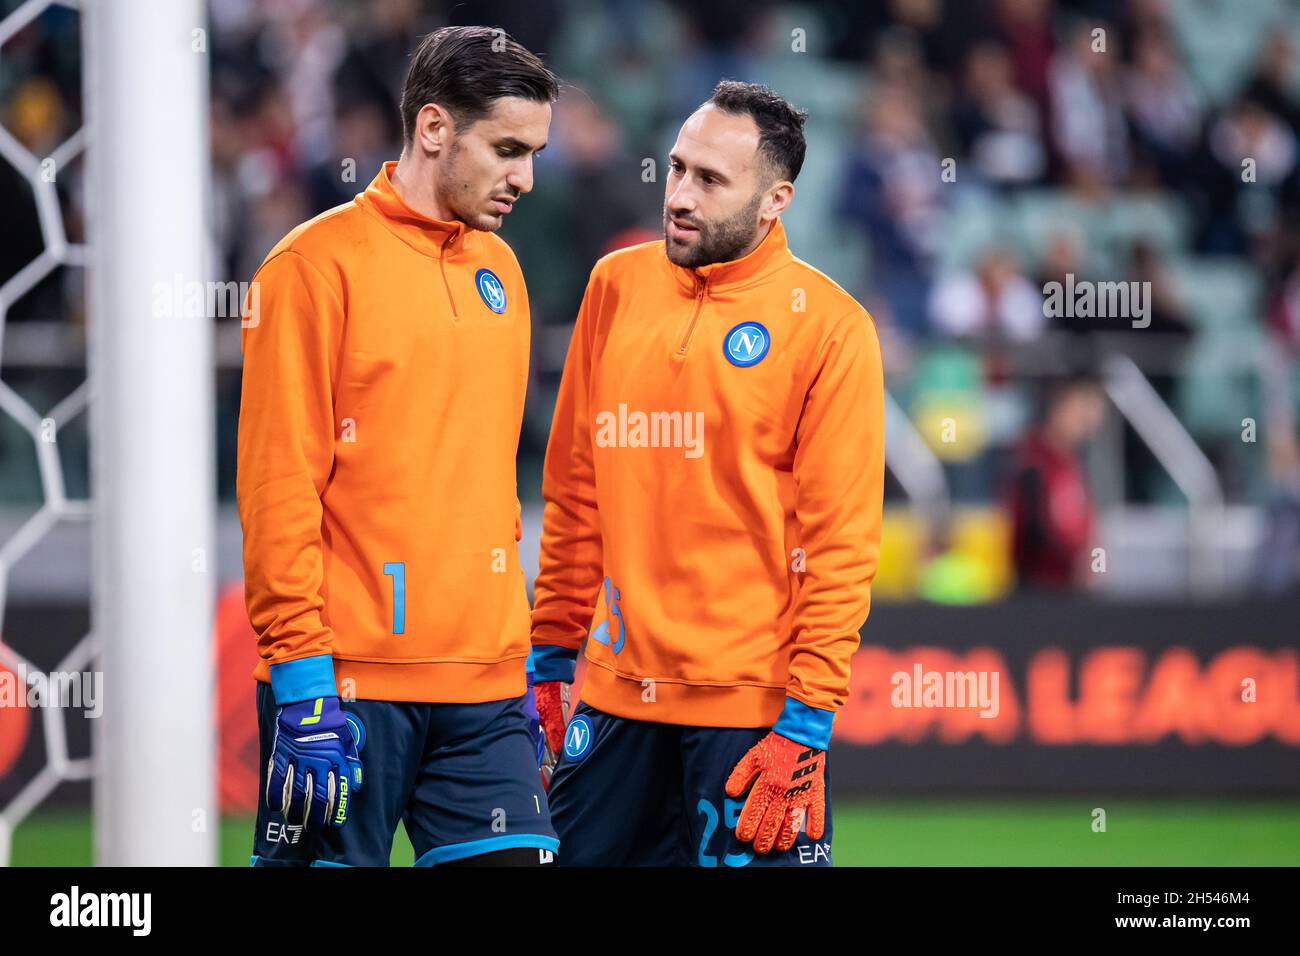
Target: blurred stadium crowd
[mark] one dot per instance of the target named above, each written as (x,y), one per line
(962,155)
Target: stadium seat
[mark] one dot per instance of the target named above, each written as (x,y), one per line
(1220,293)
(1161,220)
(1219,39)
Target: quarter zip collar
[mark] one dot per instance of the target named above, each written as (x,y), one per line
(770,255)
(432,237)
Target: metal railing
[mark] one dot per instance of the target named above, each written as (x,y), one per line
(1177,452)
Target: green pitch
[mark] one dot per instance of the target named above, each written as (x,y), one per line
(915,833)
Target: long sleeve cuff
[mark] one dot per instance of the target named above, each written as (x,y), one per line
(304,679)
(554,663)
(804,724)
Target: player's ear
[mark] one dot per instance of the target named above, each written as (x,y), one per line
(776,200)
(433,129)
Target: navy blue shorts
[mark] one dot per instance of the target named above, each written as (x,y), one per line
(463,778)
(635,793)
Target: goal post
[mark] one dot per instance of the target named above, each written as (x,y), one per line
(145,70)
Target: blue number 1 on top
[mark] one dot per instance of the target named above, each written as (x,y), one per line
(398,570)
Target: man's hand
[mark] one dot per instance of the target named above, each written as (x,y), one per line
(315,766)
(552,683)
(553,715)
(789,785)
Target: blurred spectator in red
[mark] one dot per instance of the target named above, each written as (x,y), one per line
(1025,27)
(1050,505)
(992,300)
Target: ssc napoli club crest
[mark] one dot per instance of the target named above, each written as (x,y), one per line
(746,344)
(577,738)
(491,290)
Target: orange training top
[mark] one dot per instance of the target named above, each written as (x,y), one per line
(713,490)
(383,390)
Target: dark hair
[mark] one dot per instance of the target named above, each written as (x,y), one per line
(780,125)
(1054,389)
(465,69)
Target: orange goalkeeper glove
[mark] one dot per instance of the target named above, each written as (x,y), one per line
(552,684)
(553,713)
(789,785)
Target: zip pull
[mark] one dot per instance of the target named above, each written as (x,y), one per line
(442,265)
(695,318)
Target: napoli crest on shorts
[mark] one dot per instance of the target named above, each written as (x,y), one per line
(746,344)
(490,289)
(577,738)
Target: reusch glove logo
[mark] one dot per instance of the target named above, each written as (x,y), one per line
(311,778)
(341,814)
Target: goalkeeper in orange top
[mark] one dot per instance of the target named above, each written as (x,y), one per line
(383,389)
(713,491)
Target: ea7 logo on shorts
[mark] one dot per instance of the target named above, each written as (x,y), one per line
(814,853)
(746,344)
(491,290)
(281,833)
(577,739)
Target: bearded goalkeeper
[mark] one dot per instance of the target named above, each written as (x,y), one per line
(713,490)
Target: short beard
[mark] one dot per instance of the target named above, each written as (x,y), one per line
(453,191)
(719,241)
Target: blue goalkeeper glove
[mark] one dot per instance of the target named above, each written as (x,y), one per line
(315,766)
